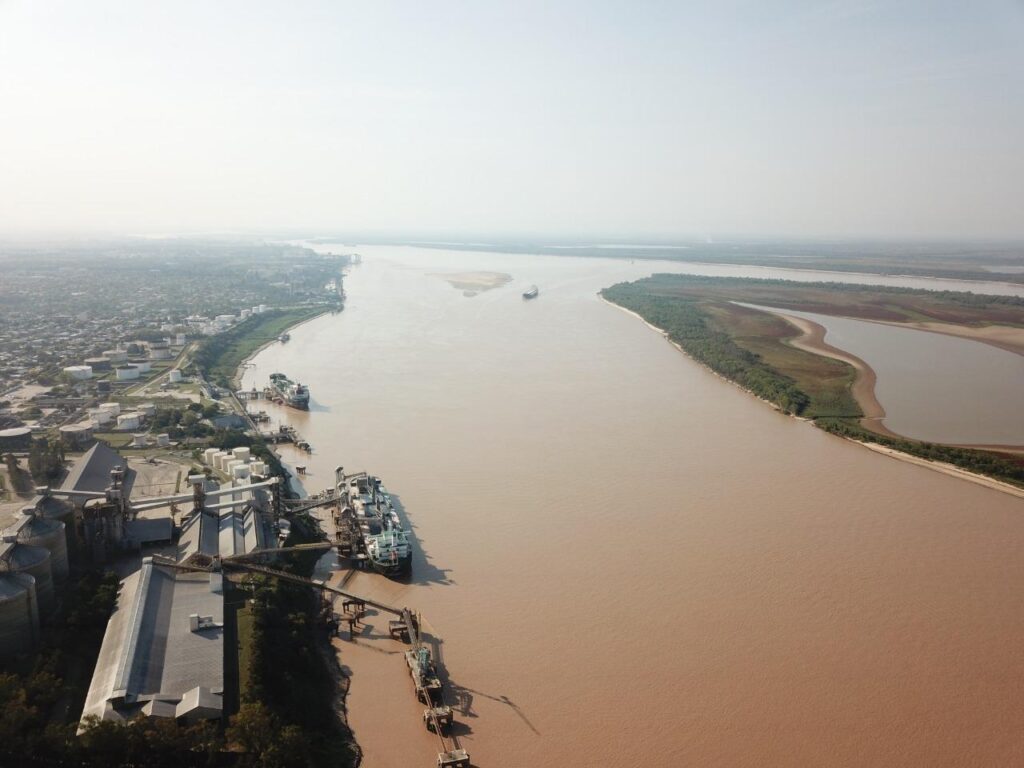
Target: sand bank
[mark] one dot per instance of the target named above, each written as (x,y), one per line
(472,283)
(1004,337)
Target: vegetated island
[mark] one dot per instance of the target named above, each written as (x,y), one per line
(790,368)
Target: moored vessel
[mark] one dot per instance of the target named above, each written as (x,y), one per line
(289,392)
(371,512)
(531,292)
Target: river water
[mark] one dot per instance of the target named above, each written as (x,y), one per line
(936,387)
(633,562)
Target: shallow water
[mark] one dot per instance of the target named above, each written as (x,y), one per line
(630,560)
(934,387)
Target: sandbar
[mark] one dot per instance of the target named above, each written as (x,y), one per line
(472,283)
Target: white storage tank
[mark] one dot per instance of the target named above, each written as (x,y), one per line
(208,455)
(139,440)
(116,355)
(144,366)
(19,614)
(159,351)
(79,372)
(128,421)
(244,314)
(174,376)
(147,409)
(163,440)
(243,453)
(258,468)
(35,561)
(126,372)
(77,435)
(219,458)
(36,531)
(240,472)
(230,464)
(112,408)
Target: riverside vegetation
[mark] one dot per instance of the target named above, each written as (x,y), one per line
(749,347)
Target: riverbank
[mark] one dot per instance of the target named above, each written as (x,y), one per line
(696,327)
(220,357)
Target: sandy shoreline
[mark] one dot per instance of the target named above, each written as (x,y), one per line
(946,469)
(1005,337)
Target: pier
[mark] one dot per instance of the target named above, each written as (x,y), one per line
(405,624)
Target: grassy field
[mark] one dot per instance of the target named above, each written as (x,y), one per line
(826,381)
(749,347)
(220,355)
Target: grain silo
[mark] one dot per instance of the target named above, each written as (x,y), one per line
(19,614)
(37,531)
(16,557)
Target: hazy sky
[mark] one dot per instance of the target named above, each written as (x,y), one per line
(660,118)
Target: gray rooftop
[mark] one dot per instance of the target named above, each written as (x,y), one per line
(91,471)
(151,652)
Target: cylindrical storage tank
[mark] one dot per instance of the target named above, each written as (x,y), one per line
(15,439)
(220,461)
(112,408)
(240,472)
(128,421)
(98,364)
(175,376)
(147,409)
(19,614)
(126,372)
(139,440)
(244,314)
(163,440)
(115,356)
(230,464)
(144,366)
(258,468)
(208,455)
(79,372)
(34,561)
(242,453)
(48,534)
(263,308)
(77,435)
(100,417)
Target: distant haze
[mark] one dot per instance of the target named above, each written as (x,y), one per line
(630,118)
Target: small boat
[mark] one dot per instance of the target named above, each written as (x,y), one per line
(284,337)
(531,292)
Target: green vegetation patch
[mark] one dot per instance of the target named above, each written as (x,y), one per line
(219,356)
(749,347)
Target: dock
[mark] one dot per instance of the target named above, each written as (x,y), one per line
(404,626)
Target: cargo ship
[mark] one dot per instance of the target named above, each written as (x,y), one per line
(368,508)
(531,292)
(289,392)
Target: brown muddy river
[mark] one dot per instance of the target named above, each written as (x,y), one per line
(631,561)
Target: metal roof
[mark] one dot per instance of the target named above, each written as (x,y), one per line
(92,470)
(150,652)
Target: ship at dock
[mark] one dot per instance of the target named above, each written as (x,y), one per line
(531,293)
(284,390)
(375,532)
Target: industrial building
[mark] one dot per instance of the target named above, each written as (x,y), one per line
(163,651)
